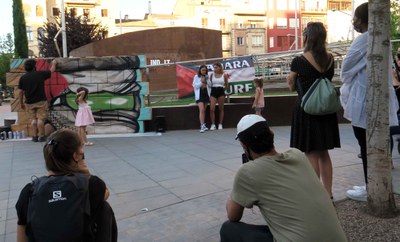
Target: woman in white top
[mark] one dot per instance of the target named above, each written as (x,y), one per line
(353,92)
(202,89)
(219,83)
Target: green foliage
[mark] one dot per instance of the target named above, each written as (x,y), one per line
(20,37)
(7,44)
(395,24)
(6,53)
(80,31)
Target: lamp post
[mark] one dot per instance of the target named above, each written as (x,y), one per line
(63,32)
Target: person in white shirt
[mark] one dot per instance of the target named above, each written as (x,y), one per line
(353,92)
(202,89)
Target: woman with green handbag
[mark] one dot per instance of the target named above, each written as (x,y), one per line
(313,134)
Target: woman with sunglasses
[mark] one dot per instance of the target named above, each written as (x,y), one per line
(64,156)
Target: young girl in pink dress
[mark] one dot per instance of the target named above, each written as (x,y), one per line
(84,117)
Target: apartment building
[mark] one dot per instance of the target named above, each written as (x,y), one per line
(37,12)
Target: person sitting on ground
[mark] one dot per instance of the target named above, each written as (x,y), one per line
(286,189)
(64,159)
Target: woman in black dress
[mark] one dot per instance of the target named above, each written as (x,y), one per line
(313,134)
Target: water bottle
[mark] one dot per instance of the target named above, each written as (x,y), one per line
(18,135)
(14,134)
(10,135)
(4,135)
(23,134)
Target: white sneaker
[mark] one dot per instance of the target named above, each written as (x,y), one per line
(220,126)
(359,188)
(357,195)
(204,127)
(212,127)
(201,129)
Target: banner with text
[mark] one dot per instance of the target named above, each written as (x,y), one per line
(240,70)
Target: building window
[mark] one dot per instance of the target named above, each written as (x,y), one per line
(27,10)
(282,41)
(292,6)
(56,12)
(240,25)
(86,13)
(292,23)
(271,5)
(281,5)
(104,13)
(271,42)
(257,40)
(240,41)
(204,22)
(281,23)
(39,11)
(253,25)
(222,23)
(29,33)
(271,23)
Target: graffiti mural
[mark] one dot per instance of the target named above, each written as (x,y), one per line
(115,87)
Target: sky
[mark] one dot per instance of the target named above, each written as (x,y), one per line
(134,8)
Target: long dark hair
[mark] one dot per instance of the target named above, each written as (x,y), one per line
(59,150)
(201,67)
(315,42)
(84,97)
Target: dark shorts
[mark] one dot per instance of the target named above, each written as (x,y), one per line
(204,98)
(217,92)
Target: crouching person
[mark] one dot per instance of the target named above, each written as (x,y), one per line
(286,189)
(69,204)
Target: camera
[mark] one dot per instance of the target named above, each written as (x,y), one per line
(245,159)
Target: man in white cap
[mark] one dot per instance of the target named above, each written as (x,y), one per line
(286,189)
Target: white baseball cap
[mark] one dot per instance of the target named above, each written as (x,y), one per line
(248,121)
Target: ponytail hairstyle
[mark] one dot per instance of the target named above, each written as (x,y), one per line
(315,42)
(59,152)
(85,97)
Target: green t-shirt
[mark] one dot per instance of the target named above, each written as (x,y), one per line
(290,196)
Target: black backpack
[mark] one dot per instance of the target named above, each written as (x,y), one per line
(59,209)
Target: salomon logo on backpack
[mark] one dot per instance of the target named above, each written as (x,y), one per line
(59,209)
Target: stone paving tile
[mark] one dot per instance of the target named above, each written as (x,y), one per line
(183,178)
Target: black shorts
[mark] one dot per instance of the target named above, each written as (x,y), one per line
(204,98)
(217,92)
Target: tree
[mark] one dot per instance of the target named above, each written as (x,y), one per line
(20,37)
(6,53)
(395,24)
(380,194)
(80,31)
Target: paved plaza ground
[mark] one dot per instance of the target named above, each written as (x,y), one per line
(169,187)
